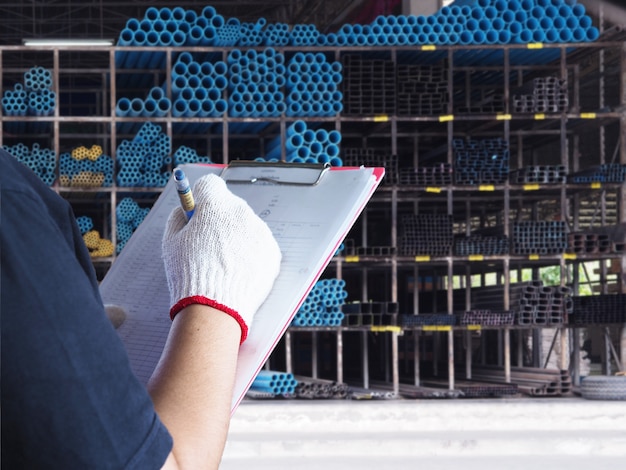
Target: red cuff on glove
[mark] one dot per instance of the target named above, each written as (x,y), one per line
(199,299)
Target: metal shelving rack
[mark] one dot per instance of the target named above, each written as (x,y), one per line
(397,133)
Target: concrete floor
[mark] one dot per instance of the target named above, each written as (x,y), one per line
(515,433)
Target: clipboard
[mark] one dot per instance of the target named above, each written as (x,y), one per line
(309,209)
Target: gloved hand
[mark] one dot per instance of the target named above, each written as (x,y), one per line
(225,256)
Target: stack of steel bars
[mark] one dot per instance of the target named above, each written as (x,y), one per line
(426,234)
(370,313)
(320,389)
(599,309)
(369,86)
(542,95)
(531,381)
(436,175)
(539,174)
(422,90)
(539,237)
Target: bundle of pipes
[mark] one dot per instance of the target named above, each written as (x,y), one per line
(41,161)
(369,86)
(255,84)
(462,22)
(486,317)
(34,98)
(539,174)
(313,85)
(542,95)
(599,309)
(428,319)
(533,381)
(320,389)
(98,247)
(305,145)
(274,383)
(475,22)
(539,237)
(605,173)
(422,90)
(186,154)
(370,313)
(143,161)
(483,161)
(589,242)
(129,215)
(426,234)
(478,244)
(322,307)
(86,168)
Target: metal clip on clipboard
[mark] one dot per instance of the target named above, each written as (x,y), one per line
(297,174)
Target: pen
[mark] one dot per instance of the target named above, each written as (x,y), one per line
(184,192)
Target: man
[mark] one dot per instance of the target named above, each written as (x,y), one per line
(69,397)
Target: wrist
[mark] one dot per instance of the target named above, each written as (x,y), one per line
(185,302)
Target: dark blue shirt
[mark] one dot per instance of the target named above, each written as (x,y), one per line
(69,397)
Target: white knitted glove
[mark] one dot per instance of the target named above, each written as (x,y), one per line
(225,256)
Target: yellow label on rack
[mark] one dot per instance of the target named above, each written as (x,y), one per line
(486,187)
(352,259)
(535,45)
(437,328)
(429,47)
(474,327)
(531,187)
(587,115)
(381,118)
(540,116)
(504,117)
(433,190)
(476,257)
(596,185)
(386,328)
(446,118)
(422,258)
(533,257)
(569,255)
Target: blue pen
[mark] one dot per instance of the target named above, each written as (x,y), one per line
(184,192)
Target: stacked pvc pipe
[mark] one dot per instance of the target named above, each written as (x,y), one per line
(322,307)
(197,89)
(475,22)
(186,154)
(274,382)
(15,102)
(313,85)
(143,161)
(304,35)
(251,34)
(129,215)
(156,104)
(255,86)
(34,97)
(463,22)
(41,161)
(277,34)
(98,247)
(86,167)
(303,145)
